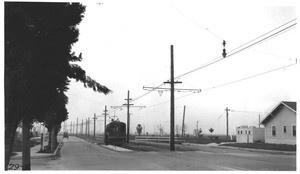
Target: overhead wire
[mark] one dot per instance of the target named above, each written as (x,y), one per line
(280,31)
(249,77)
(265,34)
(231,53)
(228,83)
(243,47)
(217,119)
(197,24)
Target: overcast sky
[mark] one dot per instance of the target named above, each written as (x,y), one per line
(126,45)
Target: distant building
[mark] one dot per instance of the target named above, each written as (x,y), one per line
(280,124)
(250,134)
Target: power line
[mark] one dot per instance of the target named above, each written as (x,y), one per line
(197,24)
(146,93)
(231,54)
(265,33)
(264,39)
(228,83)
(242,47)
(249,77)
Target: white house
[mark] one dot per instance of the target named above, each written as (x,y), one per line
(250,134)
(280,123)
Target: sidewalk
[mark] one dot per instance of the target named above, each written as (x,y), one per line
(35,149)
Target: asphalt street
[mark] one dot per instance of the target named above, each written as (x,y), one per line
(77,154)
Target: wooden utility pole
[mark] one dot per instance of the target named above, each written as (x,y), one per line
(182,131)
(76,126)
(128,115)
(94,124)
(105,114)
(172,89)
(172,104)
(89,126)
(82,127)
(71,128)
(172,115)
(227,122)
(258,120)
(197,129)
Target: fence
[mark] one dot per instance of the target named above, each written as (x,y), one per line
(157,139)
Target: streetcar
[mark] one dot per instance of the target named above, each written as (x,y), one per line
(115,133)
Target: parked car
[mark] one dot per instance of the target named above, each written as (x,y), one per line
(65,135)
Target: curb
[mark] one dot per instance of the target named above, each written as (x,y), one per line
(119,149)
(245,149)
(55,154)
(57,151)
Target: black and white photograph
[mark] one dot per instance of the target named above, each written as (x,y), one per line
(150,85)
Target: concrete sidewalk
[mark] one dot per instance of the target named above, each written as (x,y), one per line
(35,149)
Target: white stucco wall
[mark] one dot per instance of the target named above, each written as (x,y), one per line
(284,117)
(256,134)
(259,134)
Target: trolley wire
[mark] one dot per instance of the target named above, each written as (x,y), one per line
(233,52)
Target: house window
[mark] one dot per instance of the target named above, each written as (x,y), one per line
(294,130)
(273,130)
(284,129)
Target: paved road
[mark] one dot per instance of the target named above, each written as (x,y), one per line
(78,154)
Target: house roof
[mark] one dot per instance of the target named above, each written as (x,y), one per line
(292,105)
(288,104)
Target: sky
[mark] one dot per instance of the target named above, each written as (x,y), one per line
(126,46)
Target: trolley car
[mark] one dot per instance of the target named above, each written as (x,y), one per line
(115,133)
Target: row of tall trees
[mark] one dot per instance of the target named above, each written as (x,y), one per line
(39,64)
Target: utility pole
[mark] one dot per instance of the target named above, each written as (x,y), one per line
(172,115)
(89,126)
(197,129)
(82,127)
(172,104)
(227,122)
(86,126)
(259,120)
(128,115)
(76,126)
(182,131)
(105,114)
(71,128)
(94,124)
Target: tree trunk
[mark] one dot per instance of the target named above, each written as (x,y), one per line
(26,145)
(49,136)
(10,132)
(53,138)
